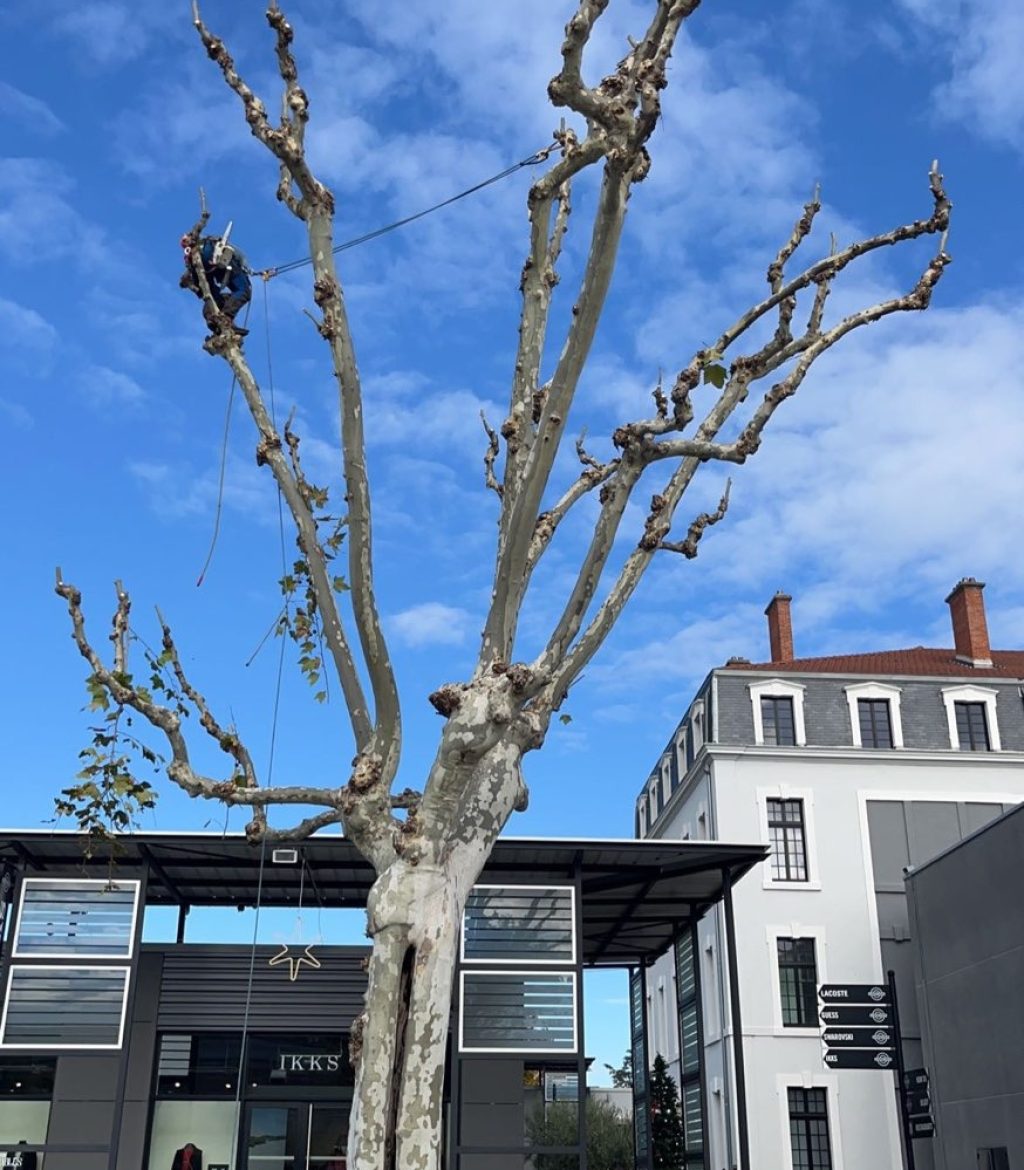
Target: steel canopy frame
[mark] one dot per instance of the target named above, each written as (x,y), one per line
(635,895)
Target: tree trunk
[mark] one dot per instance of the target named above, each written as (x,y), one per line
(414,914)
(414,917)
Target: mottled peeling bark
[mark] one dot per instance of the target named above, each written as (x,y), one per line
(414,917)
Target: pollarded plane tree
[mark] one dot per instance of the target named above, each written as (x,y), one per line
(428,847)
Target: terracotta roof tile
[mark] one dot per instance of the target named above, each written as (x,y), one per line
(918,660)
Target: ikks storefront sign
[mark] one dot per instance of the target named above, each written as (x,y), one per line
(309,1062)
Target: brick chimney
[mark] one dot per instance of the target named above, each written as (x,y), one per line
(970,630)
(780,627)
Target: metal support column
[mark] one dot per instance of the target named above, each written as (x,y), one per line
(183,910)
(737,1024)
(129,1014)
(901,1097)
(581,1046)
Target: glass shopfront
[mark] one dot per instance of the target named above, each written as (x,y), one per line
(295,1137)
(290,1111)
(26,1086)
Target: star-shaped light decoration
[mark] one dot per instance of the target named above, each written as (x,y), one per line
(294,961)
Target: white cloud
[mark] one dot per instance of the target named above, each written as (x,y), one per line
(19,106)
(177,491)
(105,386)
(38,220)
(982,40)
(431,624)
(899,461)
(181,126)
(110,32)
(26,332)
(438,419)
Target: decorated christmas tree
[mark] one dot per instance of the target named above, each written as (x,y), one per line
(666,1119)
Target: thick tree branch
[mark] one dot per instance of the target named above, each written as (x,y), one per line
(380,740)
(641,442)
(269,451)
(704,521)
(241,788)
(801,230)
(490,455)
(621,113)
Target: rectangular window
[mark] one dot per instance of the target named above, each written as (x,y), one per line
(200,1065)
(515,1011)
(798,982)
(522,924)
(875,723)
(787,840)
(65,1007)
(777,723)
(994,1158)
(972,727)
(808,1129)
(208,1125)
(26,1085)
(61,919)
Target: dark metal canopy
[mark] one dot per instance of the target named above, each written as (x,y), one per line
(636,895)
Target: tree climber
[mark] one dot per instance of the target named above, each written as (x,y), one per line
(226,273)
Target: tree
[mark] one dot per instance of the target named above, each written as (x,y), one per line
(429,846)
(667,1144)
(609,1136)
(622,1077)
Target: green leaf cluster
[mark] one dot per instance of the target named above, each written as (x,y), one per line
(302,620)
(714,372)
(108,798)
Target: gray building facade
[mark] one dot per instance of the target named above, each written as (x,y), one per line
(851,768)
(967,924)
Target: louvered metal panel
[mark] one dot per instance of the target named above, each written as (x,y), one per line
(203,988)
(519,924)
(517,1011)
(61,919)
(64,1007)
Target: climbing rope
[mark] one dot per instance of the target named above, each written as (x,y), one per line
(223,466)
(537,157)
(266,273)
(270,775)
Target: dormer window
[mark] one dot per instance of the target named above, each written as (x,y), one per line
(777,723)
(875,715)
(697,725)
(971,716)
(778,710)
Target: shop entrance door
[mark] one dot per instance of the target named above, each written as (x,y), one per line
(292,1136)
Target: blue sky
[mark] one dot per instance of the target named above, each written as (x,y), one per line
(896,470)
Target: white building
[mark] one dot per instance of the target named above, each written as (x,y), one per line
(852,768)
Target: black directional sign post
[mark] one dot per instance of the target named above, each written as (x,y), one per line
(856,1023)
(918,1102)
(859,1015)
(901,1097)
(857,1037)
(860,1028)
(869,993)
(859,1058)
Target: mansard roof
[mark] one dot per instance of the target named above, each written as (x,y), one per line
(917,660)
